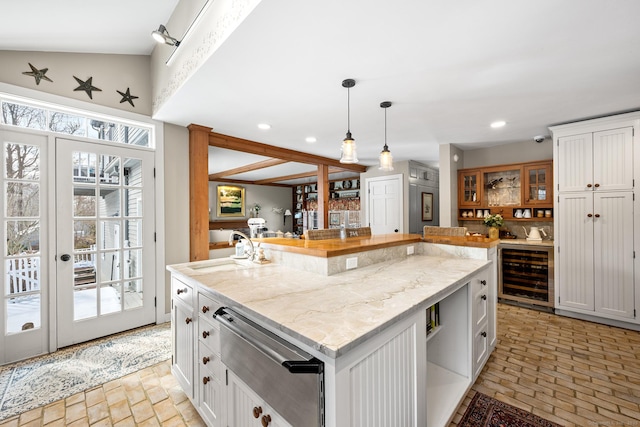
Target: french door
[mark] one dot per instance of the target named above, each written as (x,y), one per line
(26,282)
(104,250)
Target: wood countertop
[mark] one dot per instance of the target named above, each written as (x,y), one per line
(328,248)
(470,241)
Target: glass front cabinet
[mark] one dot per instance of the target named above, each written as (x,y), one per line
(516,191)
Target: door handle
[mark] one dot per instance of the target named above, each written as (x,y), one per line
(65,257)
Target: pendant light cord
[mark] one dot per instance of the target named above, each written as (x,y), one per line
(385,129)
(349,110)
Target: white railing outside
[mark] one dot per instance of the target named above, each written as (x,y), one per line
(23,275)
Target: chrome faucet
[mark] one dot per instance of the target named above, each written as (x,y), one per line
(252,251)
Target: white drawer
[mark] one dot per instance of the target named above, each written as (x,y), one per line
(207,305)
(182,291)
(209,362)
(480,308)
(209,333)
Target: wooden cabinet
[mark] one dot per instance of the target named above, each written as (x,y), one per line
(469,188)
(516,191)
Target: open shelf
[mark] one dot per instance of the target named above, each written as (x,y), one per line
(444,390)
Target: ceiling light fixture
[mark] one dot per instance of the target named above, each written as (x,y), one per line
(264,126)
(161,35)
(498,124)
(349,154)
(311,139)
(386,159)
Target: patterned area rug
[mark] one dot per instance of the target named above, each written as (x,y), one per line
(45,379)
(484,411)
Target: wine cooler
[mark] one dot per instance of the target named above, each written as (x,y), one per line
(525,274)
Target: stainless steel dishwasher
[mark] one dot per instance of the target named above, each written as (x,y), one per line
(288,379)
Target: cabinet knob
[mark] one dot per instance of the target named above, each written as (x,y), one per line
(266,419)
(483,282)
(484,334)
(589,186)
(181,291)
(206,380)
(597,185)
(484,297)
(188,320)
(205,360)
(597,215)
(205,308)
(589,215)
(205,334)
(257,410)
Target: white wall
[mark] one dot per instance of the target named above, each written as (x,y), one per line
(176,197)
(109,72)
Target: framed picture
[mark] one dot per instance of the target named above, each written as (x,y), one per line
(230,201)
(334,218)
(427,206)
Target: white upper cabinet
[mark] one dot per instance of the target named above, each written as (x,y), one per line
(596,161)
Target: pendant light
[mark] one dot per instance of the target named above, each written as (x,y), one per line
(386,160)
(349,154)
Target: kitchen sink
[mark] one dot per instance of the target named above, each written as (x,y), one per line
(221,264)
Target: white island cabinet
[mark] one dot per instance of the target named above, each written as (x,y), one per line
(369,328)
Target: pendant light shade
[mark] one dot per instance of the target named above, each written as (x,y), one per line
(349,153)
(386,160)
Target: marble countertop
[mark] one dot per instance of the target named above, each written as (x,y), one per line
(332,314)
(335,247)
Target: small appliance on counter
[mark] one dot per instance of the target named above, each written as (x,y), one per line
(256,226)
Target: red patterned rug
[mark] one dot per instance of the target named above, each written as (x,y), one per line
(484,411)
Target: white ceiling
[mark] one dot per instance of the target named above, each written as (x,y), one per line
(449,67)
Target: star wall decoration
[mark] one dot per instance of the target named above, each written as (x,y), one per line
(126,96)
(37,74)
(86,86)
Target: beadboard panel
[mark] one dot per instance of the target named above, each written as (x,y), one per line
(387,375)
(576,156)
(613,152)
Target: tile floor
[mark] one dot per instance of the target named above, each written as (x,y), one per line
(569,371)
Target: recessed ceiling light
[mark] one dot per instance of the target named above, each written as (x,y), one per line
(498,124)
(310,139)
(264,126)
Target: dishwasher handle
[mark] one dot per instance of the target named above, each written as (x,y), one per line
(312,366)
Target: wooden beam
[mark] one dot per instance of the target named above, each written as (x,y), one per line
(198,192)
(295,176)
(247,146)
(247,168)
(323,196)
(242,181)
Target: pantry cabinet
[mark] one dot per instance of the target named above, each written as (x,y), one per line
(596,220)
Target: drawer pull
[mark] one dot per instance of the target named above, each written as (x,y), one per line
(257,410)
(188,320)
(589,215)
(181,291)
(484,297)
(589,186)
(266,419)
(205,308)
(483,282)
(484,334)
(597,215)
(597,185)
(205,360)
(205,334)
(206,380)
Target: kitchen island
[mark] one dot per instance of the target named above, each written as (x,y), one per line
(368,326)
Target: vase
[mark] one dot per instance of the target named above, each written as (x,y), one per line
(493,233)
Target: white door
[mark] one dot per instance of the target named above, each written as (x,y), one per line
(574,261)
(613,151)
(385,201)
(105,240)
(575,154)
(613,261)
(23,313)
